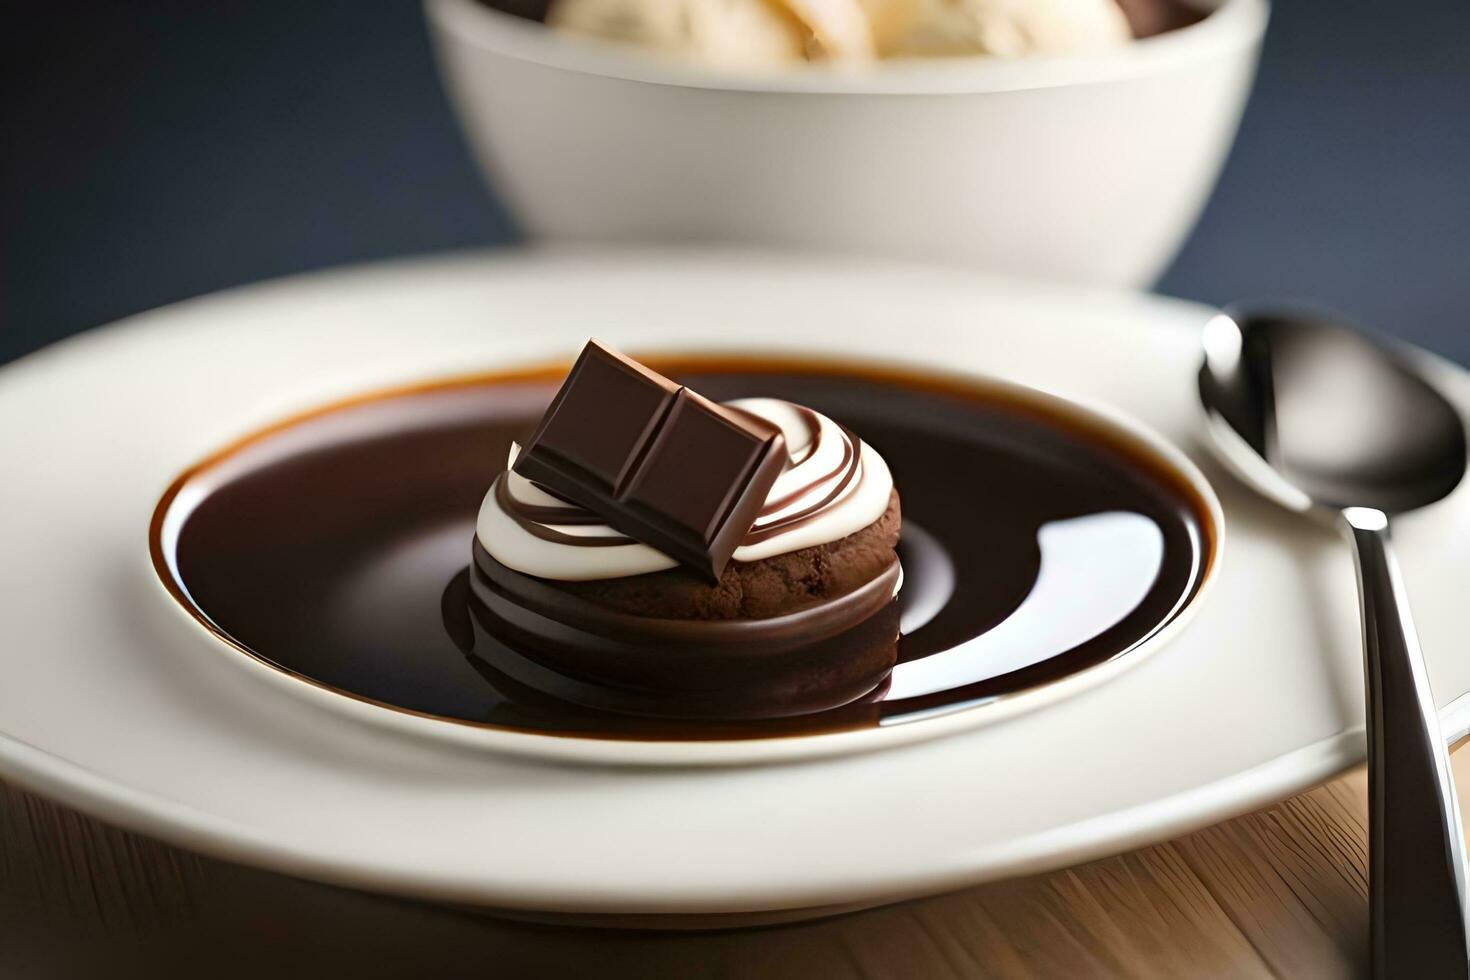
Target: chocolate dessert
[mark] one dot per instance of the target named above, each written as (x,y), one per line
(649,539)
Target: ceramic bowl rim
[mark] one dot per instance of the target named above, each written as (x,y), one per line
(1232,26)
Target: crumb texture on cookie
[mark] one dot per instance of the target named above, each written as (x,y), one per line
(760,589)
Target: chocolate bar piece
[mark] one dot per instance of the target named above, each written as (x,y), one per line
(655,460)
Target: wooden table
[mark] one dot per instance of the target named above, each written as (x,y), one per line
(1282,892)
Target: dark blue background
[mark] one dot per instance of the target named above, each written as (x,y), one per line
(156,150)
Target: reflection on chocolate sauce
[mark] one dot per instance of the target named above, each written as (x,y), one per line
(810,680)
(337,548)
(808,660)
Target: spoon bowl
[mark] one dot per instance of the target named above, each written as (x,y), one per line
(1341,419)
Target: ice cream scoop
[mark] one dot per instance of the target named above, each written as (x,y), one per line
(1002,28)
(761,33)
(837,30)
(740,34)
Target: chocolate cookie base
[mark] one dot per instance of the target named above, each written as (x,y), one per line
(754,590)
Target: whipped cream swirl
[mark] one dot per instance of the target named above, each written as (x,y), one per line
(834,484)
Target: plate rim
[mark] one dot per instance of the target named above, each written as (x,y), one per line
(185,826)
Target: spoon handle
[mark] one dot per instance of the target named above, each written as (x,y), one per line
(1416,849)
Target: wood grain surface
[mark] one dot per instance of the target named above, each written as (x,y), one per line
(1281,892)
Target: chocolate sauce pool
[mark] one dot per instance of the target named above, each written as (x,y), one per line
(336,547)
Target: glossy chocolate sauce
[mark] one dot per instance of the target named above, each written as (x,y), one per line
(337,547)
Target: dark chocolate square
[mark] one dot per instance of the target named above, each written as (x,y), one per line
(658,462)
(603,416)
(695,472)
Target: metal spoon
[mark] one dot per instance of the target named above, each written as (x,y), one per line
(1327,422)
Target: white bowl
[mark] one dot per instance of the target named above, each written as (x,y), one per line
(1085,169)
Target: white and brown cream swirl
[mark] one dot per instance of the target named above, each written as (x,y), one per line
(834,484)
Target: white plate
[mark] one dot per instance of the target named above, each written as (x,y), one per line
(109,707)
